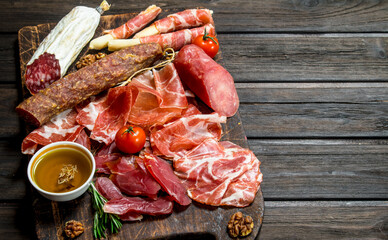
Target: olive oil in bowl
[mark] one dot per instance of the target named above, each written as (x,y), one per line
(61,171)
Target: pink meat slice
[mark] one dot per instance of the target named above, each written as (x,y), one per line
(178,39)
(212,83)
(219,174)
(177,138)
(107,188)
(126,205)
(84,139)
(133,181)
(154,105)
(164,175)
(106,154)
(186,19)
(62,127)
(122,165)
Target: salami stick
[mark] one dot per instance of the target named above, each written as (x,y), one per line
(186,19)
(175,40)
(67,92)
(126,30)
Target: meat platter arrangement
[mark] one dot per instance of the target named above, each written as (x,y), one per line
(146,95)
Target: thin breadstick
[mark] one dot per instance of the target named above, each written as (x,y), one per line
(117,44)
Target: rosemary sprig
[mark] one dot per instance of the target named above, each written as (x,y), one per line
(102,220)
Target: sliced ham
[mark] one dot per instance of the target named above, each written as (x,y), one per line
(164,175)
(177,138)
(127,205)
(106,154)
(219,174)
(62,127)
(212,83)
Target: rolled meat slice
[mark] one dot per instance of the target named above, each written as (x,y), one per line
(76,87)
(186,19)
(212,83)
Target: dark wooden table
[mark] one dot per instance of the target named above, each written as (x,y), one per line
(312,77)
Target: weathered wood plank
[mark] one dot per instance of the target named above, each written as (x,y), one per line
(315,120)
(279,58)
(11,124)
(9,59)
(229,15)
(283,220)
(323,169)
(13,170)
(374,92)
(287,57)
(325,220)
(16,221)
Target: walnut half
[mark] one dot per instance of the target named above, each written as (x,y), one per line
(240,225)
(73,228)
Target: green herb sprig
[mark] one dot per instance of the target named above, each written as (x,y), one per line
(102,219)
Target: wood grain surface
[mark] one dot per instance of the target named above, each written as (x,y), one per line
(279,53)
(190,222)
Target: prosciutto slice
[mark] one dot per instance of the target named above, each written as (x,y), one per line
(220,174)
(161,97)
(164,175)
(104,155)
(62,127)
(127,205)
(105,116)
(177,138)
(107,188)
(132,180)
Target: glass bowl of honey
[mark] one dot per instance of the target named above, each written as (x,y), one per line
(61,171)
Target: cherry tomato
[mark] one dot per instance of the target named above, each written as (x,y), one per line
(130,139)
(208,43)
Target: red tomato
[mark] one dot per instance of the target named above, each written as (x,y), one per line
(208,43)
(130,139)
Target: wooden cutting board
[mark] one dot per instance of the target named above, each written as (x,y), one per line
(196,221)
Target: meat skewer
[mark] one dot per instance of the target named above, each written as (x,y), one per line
(76,87)
(186,19)
(175,40)
(126,30)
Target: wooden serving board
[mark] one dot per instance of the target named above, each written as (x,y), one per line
(196,221)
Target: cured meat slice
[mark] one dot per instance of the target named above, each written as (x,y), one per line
(106,154)
(130,216)
(126,30)
(219,174)
(175,40)
(107,188)
(76,87)
(186,19)
(84,140)
(42,72)
(135,182)
(154,104)
(63,127)
(168,84)
(122,165)
(160,206)
(164,175)
(212,83)
(176,138)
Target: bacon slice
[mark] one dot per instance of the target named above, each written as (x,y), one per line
(220,174)
(126,205)
(126,30)
(164,175)
(186,19)
(62,127)
(175,139)
(175,40)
